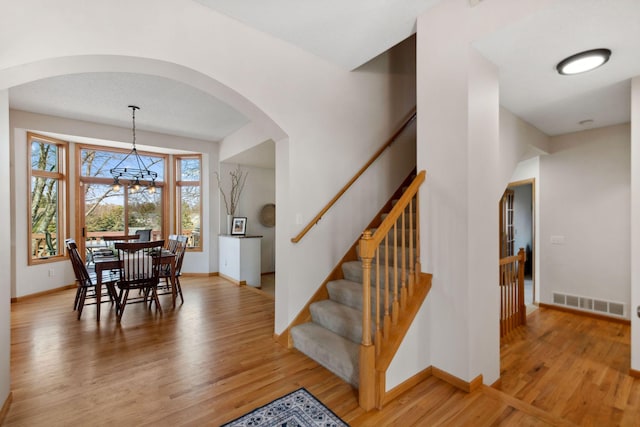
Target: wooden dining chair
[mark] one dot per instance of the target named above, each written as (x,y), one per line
(172,243)
(179,246)
(86,281)
(145,235)
(138,270)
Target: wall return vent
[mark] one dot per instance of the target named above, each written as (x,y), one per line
(609,308)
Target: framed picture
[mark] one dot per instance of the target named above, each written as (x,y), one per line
(238,226)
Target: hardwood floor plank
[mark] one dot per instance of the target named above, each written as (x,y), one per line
(213,358)
(574,367)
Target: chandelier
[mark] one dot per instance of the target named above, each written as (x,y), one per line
(132,167)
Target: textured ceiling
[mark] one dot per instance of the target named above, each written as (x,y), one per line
(166,106)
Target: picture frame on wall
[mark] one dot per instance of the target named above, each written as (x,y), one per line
(238,226)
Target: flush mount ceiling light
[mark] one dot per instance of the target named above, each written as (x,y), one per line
(583,61)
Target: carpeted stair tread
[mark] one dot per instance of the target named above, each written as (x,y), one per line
(338,318)
(349,293)
(352,270)
(334,352)
(346,292)
(391,254)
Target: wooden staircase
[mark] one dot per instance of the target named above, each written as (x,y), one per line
(356,321)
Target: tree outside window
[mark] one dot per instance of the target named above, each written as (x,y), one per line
(111,212)
(47,203)
(189,199)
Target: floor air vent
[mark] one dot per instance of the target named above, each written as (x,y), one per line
(590,304)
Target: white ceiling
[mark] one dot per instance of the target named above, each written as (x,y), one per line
(347,33)
(527,52)
(166,106)
(350,34)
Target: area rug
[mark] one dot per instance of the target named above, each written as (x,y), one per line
(296,409)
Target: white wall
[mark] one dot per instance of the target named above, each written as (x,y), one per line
(585,201)
(260,189)
(468,167)
(331,119)
(635,223)
(521,141)
(35,278)
(6,260)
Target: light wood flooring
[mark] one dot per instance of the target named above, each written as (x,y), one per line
(214,358)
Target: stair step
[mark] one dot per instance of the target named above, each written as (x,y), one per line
(352,270)
(382,254)
(339,318)
(349,293)
(346,292)
(336,353)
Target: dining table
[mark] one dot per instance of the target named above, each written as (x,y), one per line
(94,247)
(102,264)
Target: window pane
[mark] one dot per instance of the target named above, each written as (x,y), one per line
(44,217)
(44,156)
(104,211)
(190,214)
(145,212)
(98,163)
(190,169)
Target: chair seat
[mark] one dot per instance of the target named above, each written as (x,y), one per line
(107,277)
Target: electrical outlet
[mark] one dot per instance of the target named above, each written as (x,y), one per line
(52,272)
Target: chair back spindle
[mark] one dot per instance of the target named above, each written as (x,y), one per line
(139,269)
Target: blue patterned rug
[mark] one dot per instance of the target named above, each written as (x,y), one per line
(296,409)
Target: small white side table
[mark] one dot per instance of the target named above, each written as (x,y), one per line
(239,259)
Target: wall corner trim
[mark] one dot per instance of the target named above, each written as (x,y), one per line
(408,384)
(463,385)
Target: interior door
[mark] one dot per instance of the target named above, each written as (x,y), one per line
(507,236)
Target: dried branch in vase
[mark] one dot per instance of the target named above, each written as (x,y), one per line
(238,179)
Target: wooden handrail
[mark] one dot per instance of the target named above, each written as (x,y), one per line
(368,249)
(318,217)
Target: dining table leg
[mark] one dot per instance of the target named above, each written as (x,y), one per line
(98,292)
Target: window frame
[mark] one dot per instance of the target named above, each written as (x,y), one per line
(163,184)
(62,175)
(179,184)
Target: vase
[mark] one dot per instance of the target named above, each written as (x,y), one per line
(229,219)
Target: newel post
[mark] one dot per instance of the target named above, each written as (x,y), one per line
(522,257)
(367,387)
